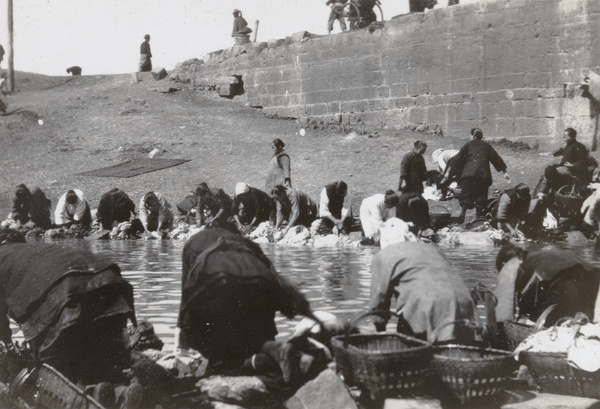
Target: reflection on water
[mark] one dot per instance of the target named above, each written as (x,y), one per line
(336,280)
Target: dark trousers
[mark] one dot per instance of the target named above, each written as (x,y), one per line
(474,193)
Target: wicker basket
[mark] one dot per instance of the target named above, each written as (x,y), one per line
(385,364)
(554,375)
(45,387)
(569,198)
(440,216)
(471,374)
(516,333)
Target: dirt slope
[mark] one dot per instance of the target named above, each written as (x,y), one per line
(60,126)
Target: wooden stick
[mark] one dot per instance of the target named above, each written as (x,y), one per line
(255,31)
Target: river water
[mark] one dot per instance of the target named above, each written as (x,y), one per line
(336,280)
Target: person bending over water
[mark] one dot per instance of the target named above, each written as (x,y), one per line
(430,295)
(230,294)
(537,279)
(71,305)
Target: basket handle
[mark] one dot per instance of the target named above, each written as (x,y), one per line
(574,190)
(439,207)
(466,322)
(352,324)
(539,323)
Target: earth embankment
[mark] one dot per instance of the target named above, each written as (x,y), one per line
(57,127)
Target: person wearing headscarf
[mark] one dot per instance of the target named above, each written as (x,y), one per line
(535,280)
(156,214)
(513,207)
(230,292)
(472,164)
(335,207)
(375,210)
(251,206)
(413,169)
(278,171)
(114,207)
(145,55)
(73,208)
(71,305)
(430,295)
(293,207)
(442,157)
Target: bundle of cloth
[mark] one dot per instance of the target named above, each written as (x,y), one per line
(576,337)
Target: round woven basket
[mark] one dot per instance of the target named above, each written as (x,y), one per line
(440,216)
(385,364)
(470,374)
(569,198)
(516,333)
(554,375)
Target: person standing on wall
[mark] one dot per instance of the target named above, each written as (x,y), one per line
(337,13)
(278,171)
(145,55)
(240,25)
(412,169)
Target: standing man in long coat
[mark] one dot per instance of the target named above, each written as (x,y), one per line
(472,163)
(412,169)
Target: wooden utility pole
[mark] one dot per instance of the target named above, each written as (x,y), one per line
(255,31)
(11,71)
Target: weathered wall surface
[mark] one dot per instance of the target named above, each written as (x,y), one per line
(503,65)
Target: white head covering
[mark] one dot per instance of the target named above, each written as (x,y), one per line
(394,231)
(241,187)
(435,155)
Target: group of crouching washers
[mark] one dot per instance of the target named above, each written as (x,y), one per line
(73,307)
(282,208)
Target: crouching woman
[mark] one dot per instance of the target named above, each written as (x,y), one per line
(71,305)
(538,279)
(430,295)
(230,294)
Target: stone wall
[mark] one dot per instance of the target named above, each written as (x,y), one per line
(511,67)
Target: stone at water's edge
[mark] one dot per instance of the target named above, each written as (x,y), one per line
(242,390)
(576,238)
(326,391)
(412,404)
(551,401)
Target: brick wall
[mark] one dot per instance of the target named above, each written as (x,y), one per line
(502,65)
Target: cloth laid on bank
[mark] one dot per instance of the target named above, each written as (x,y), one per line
(591,207)
(134,167)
